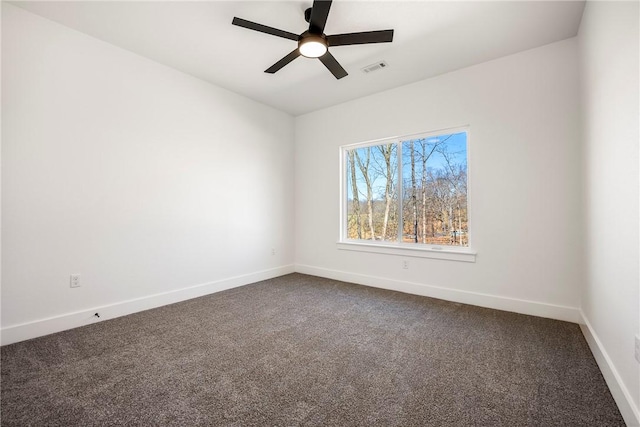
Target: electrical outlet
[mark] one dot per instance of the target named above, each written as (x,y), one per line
(405,264)
(638,348)
(75,281)
(273,251)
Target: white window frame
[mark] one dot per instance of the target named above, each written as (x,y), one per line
(399,248)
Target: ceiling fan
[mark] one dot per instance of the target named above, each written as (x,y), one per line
(313,43)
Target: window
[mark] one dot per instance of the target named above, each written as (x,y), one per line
(407,192)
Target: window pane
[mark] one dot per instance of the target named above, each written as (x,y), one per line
(372,198)
(434,175)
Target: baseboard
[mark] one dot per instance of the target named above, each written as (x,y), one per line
(619,391)
(25,331)
(551,311)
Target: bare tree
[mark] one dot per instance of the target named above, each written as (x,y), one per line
(389,173)
(354,190)
(456,176)
(414,189)
(364,168)
(427,151)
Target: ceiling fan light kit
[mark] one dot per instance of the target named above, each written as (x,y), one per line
(312,46)
(313,43)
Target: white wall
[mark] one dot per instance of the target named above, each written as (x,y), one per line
(609,45)
(524,182)
(142,179)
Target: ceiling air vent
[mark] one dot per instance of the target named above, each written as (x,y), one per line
(375,67)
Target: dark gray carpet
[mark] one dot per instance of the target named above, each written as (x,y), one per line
(300,350)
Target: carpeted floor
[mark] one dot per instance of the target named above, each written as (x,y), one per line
(300,350)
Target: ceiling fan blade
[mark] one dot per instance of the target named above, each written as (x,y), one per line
(319,14)
(330,62)
(382,36)
(264,29)
(284,61)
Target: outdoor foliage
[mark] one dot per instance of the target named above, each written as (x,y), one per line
(433,193)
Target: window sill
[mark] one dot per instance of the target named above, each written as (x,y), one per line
(435,252)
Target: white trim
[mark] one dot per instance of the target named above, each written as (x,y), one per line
(418,251)
(621,395)
(37,328)
(533,308)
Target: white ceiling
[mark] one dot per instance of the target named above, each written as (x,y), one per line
(431,38)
